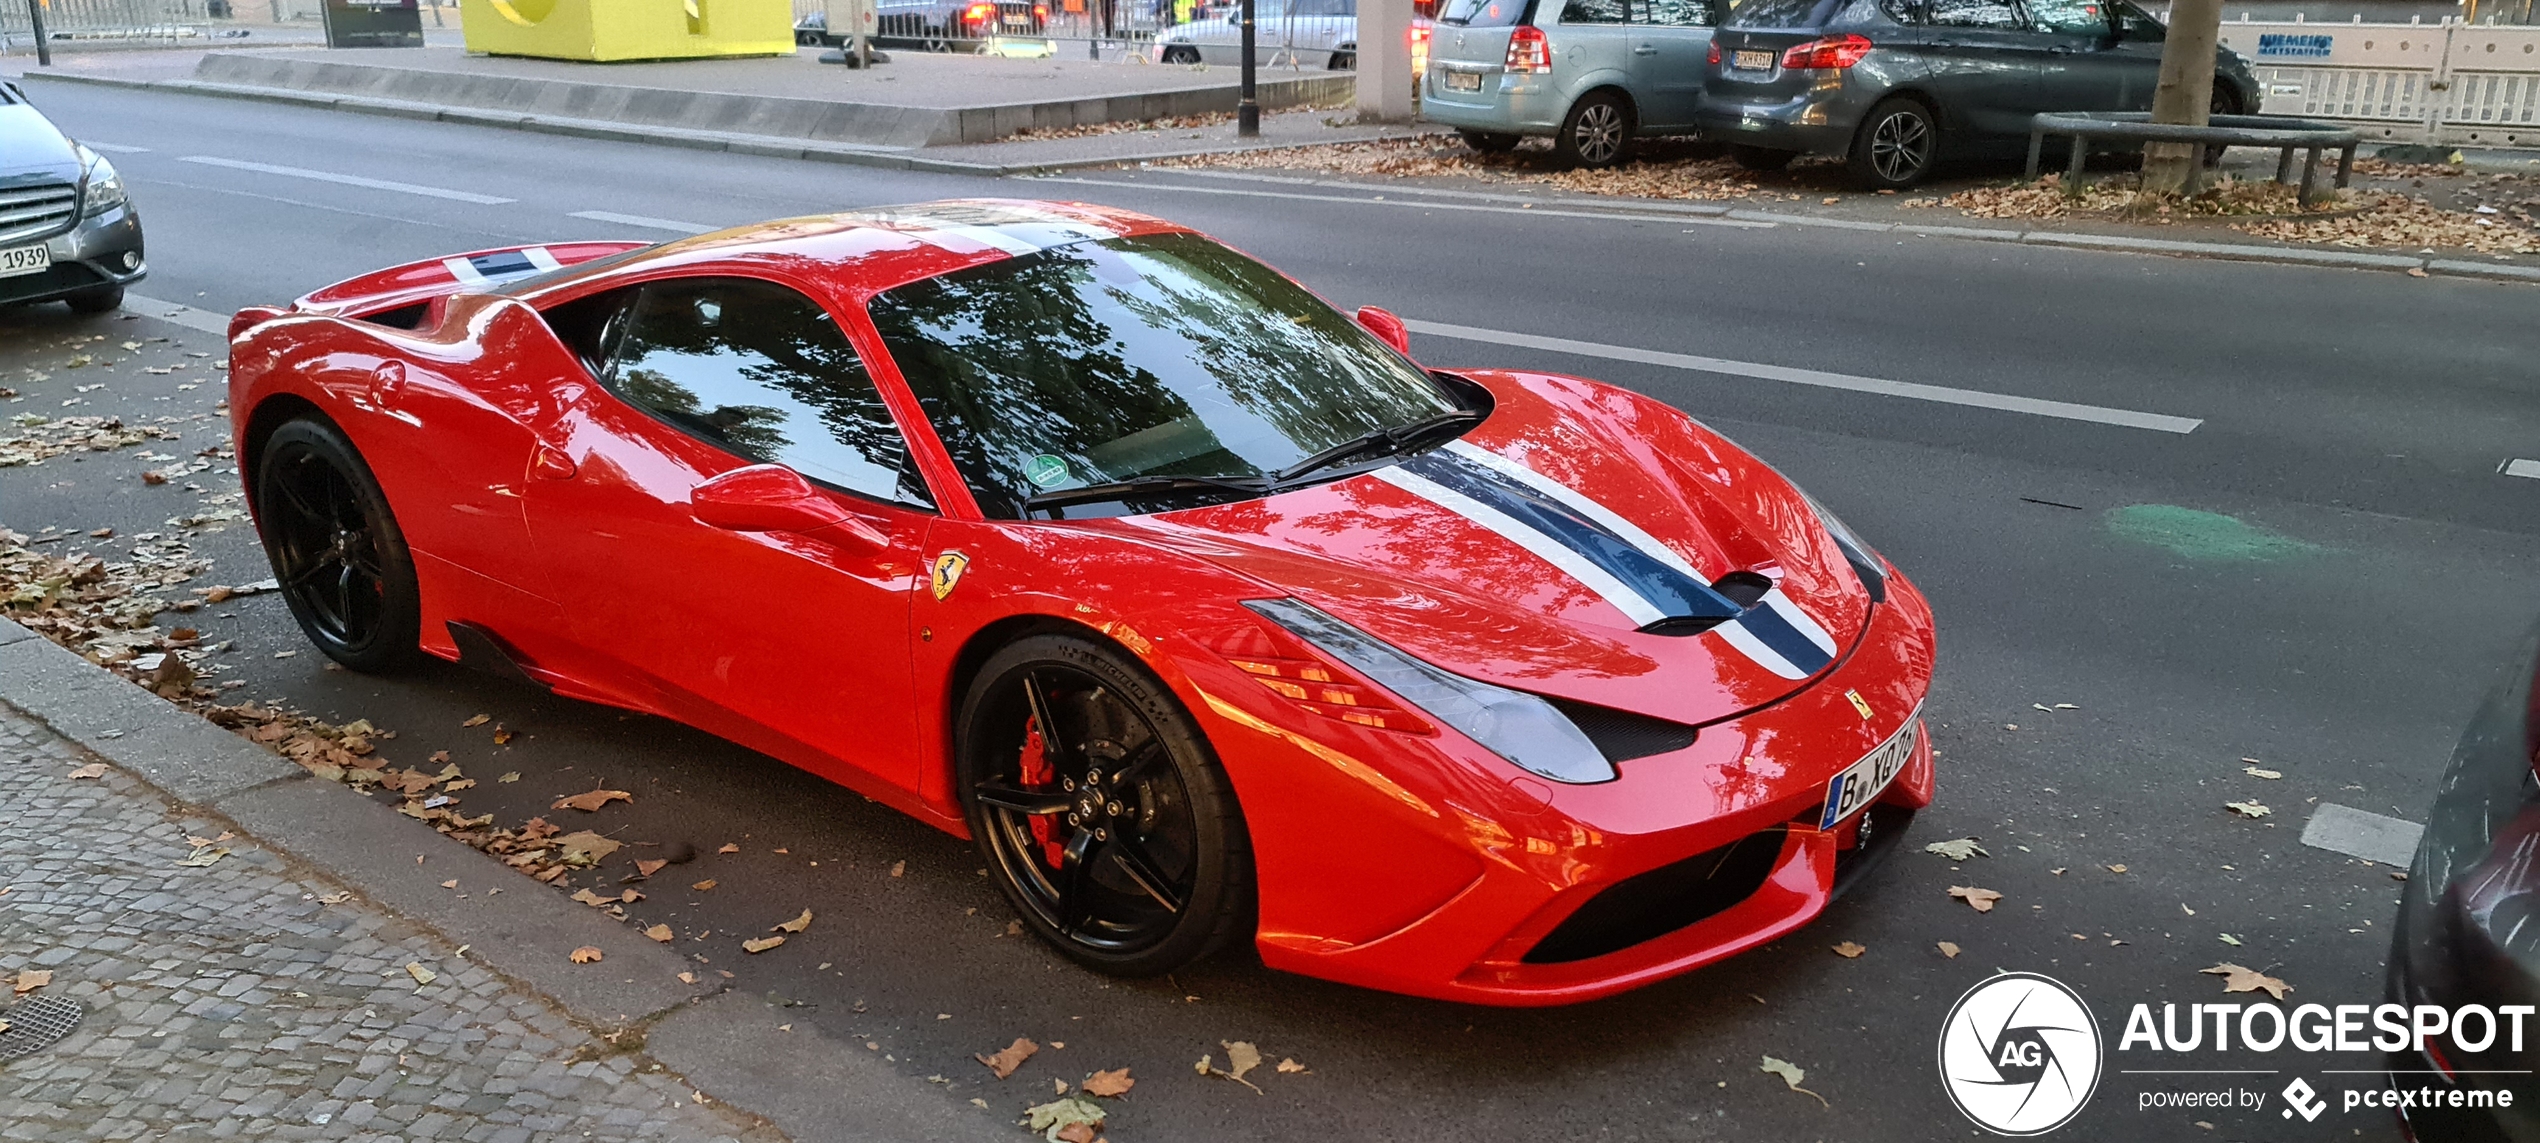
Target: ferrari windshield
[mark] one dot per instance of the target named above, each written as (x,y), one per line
(1164,356)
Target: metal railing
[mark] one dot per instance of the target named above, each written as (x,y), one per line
(71,21)
(2273,132)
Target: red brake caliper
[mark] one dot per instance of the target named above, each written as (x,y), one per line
(1037,774)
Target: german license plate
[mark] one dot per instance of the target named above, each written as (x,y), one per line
(1018,21)
(1863,781)
(1754,61)
(1463,81)
(25,260)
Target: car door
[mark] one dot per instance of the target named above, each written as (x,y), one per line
(1592,44)
(2081,70)
(787,642)
(1983,66)
(2137,56)
(1671,46)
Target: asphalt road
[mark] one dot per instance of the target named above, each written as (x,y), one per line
(2323,574)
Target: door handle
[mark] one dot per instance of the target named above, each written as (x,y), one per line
(1645,50)
(1944,45)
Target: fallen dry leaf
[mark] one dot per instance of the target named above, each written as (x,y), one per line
(1241,1057)
(1006,1059)
(898,868)
(1076,1133)
(1791,1075)
(649,866)
(584,847)
(30,979)
(503,737)
(2231,940)
(1949,949)
(422,975)
(479,720)
(1111,1083)
(1849,950)
(2119,868)
(2261,772)
(592,801)
(586,955)
(796,925)
(728,847)
(704,885)
(1293,1068)
(1060,1114)
(1957,849)
(92,770)
(687,978)
(659,933)
(2238,979)
(2249,809)
(761,944)
(1981,900)
(452,883)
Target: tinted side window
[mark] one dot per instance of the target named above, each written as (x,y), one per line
(2075,17)
(1674,13)
(1593,12)
(1974,14)
(1488,13)
(2140,26)
(1782,13)
(1905,12)
(760,371)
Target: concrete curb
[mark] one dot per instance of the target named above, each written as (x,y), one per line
(718,1040)
(2232,251)
(767,146)
(361,843)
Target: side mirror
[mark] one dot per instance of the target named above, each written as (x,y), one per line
(1387,328)
(774,498)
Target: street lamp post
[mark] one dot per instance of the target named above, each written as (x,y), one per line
(44,51)
(1247,109)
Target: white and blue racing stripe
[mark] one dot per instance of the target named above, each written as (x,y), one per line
(501,266)
(1620,561)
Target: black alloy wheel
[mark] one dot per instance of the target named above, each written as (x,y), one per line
(335,549)
(1100,809)
(1895,146)
(1756,158)
(1345,59)
(1596,131)
(1490,142)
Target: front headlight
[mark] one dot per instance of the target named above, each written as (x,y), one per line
(1865,562)
(1529,732)
(101,188)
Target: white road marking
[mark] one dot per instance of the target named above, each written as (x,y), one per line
(347,180)
(642,221)
(2363,833)
(1417,204)
(2034,406)
(2530,468)
(114,148)
(178,312)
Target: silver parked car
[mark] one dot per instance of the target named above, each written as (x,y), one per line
(67,231)
(1589,73)
(1285,33)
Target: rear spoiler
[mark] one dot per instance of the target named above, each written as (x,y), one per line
(417,283)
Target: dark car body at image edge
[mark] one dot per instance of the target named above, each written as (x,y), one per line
(2469,915)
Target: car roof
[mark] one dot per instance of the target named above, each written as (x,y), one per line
(856,254)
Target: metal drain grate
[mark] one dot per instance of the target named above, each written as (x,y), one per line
(37,1023)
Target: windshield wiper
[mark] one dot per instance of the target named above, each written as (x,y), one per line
(1393,440)
(1145,486)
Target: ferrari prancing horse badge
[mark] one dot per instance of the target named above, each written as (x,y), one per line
(948,569)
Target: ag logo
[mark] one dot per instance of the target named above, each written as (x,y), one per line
(2020,1054)
(947,573)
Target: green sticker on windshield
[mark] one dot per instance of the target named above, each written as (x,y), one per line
(1045,471)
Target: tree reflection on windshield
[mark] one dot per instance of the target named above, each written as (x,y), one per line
(1157,356)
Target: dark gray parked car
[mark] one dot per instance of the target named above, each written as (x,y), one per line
(2466,933)
(1895,85)
(67,232)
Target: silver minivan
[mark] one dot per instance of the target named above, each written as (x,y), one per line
(1589,73)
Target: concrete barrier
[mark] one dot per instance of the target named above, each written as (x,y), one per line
(780,116)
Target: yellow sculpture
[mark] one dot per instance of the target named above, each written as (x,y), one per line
(628,29)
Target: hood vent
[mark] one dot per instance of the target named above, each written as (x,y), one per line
(1744,589)
(1621,735)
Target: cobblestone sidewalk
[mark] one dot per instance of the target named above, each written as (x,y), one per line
(244,999)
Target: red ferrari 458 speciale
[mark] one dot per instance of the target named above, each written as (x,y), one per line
(1200,606)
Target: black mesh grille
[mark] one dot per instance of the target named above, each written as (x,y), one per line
(1622,736)
(1663,900)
